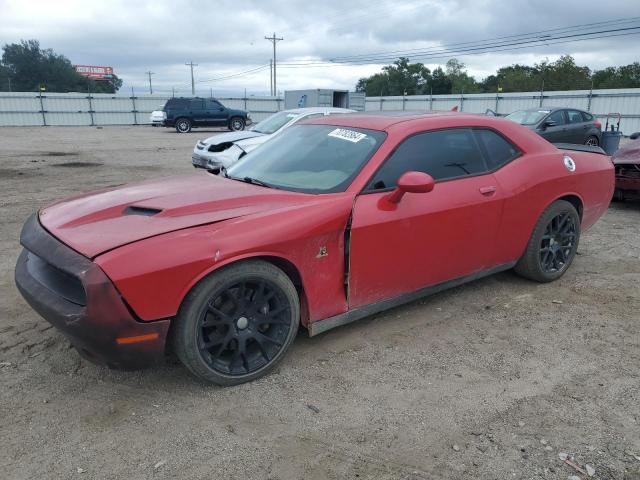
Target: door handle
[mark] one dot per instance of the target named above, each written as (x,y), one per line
(487,191)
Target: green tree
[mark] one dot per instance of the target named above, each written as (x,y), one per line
(30,66)
(564,74)
(400,78)
(460,80)
(627,76)
(440,82)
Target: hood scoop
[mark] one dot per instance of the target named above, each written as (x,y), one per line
(143,211)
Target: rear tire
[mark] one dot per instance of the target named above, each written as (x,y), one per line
(553,244)
(592,141)
(183,125)
(236,324)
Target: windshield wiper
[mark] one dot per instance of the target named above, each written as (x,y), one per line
(459,165)
(254,181)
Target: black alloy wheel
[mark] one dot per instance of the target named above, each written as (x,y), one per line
(558,243)
(552,245)
(244,327)
(237,323)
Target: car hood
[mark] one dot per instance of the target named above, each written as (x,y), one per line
(230,137)
(251,143)
(627,155)
(97,222)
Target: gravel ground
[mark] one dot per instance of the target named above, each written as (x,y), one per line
(495,379)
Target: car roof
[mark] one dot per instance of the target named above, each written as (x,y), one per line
(384,120)
(549,109)
(318,110)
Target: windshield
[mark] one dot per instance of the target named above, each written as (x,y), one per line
(310,158)
(274,122)
(527,117)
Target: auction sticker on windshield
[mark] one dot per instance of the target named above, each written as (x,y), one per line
(349,135)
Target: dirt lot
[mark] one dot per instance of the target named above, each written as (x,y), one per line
(491,380)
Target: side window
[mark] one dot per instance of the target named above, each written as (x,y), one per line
(443,154)
(587,117)
(498,151)
(557,117)
(574,116)
(197,104)
(212,105)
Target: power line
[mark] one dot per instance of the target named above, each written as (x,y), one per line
(274,40)
(193,85)
(474,42)
(486,48)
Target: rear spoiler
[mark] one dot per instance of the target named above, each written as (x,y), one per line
(579,148)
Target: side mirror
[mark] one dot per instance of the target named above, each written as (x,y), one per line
(411,182)
(548,123)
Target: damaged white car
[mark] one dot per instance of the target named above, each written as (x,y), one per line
(224,149)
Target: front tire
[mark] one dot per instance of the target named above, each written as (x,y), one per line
(236,124)
(183,125)
(236,324)
(553,244)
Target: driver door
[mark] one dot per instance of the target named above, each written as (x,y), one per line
(427,238)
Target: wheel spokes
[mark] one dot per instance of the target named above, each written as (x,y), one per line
(244,327)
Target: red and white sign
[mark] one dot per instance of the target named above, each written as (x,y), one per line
(94,72)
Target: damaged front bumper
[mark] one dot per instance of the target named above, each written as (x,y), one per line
(216,160)
(73,294)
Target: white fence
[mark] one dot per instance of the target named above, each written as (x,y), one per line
(34,109)
(599,102)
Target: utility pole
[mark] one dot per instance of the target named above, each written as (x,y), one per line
(274,40)
(150,86)
(193,83)
(270,77)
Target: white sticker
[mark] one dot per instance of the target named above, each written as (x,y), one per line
(349,135)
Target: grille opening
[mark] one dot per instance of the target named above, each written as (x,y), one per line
(221,147)
(61,283)
(144,211)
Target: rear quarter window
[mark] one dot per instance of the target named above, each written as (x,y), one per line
(498,150)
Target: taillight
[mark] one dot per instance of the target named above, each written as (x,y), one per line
(598,125)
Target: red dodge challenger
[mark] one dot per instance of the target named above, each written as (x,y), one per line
(335,219)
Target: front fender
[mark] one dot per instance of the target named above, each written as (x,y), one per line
(155,274)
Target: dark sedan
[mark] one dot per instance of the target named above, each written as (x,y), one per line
(561,125)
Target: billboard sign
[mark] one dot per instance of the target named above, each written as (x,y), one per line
(94,72)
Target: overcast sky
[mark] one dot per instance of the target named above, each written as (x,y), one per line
(226,37)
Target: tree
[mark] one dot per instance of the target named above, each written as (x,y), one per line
(400,78)
(31,67)
(627,76)
(564,74)
(440,82)
(460,80)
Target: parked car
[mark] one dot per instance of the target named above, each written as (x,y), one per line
(626,161)
(561,125)
(332,220)
(157,117)
(186,113)
(223,150)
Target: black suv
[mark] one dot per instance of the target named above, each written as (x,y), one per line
(185,113)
